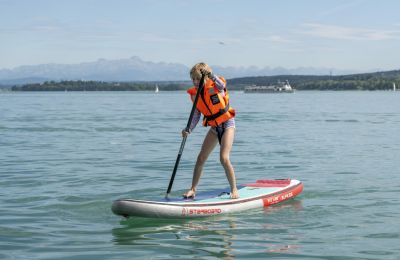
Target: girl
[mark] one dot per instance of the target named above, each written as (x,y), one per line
(213,103)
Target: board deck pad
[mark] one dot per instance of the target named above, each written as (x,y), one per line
(261,193)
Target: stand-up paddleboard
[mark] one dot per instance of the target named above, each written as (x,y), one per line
(262,193)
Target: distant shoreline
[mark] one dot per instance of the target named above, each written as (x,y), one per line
(368,81)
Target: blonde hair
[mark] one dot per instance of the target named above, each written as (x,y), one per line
(195,72)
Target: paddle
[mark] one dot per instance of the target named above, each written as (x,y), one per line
(201,85)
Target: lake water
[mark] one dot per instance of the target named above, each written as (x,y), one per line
(66,156)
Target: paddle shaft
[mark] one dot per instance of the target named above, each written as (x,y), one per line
(201,86)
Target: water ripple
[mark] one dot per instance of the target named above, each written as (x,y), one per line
(66,156)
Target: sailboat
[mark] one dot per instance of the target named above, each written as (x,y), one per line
(156,90)
(394,86)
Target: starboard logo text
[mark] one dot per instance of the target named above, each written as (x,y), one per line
(189,211)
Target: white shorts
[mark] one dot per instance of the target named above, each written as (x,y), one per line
(228,124)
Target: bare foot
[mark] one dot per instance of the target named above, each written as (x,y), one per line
(234,194)
(189,194)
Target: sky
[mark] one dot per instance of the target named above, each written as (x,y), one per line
(360,35)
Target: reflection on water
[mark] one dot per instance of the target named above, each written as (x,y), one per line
(217,236)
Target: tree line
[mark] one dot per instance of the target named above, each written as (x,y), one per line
(365,81)
(79,85)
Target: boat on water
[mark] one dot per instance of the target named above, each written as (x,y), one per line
(156,89)
(281,87)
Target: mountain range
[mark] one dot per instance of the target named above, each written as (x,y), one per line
(136,69)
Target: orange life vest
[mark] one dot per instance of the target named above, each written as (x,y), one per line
(212,104)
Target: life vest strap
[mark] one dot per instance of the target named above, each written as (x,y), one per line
(220,132)
(218,114)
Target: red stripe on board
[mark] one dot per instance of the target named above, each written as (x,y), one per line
(283,196)
(269,183)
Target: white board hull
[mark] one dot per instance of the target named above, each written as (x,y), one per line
(193,209)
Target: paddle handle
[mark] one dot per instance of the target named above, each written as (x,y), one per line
(201,86)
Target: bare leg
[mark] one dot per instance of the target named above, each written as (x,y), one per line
(225,150)
(209,143)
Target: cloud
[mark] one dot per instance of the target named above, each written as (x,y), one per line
(348,33)
(279,39)
(44,28)
(340,8)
